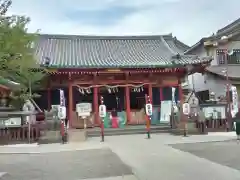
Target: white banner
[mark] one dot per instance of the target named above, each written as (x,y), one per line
(62,98)
(173,96)
(234,108)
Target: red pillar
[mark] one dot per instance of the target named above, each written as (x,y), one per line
(70,101)
(150,92)
(95,104)
(151,101)
(127,103)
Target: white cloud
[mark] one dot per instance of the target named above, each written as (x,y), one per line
(189,20)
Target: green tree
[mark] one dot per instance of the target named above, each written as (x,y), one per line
(17,56)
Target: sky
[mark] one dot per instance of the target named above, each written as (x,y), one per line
(188,20)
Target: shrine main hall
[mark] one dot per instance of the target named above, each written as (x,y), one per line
(121,69)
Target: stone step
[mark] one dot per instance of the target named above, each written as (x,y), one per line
(128,131)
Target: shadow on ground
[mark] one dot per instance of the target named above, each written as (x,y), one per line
(225,153)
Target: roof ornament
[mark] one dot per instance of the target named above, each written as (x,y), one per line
(176,58)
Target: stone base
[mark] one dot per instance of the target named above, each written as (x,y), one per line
(51,137)
(77,135)
(190,128)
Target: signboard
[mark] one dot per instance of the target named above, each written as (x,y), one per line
(13,122)
(62,112)
(149,109)
(102,111)
(84,109)
(186,109)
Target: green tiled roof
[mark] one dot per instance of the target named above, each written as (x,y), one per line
(70,51)
(8,83)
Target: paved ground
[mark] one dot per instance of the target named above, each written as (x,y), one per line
(162,157)
(74,165)
(225,153)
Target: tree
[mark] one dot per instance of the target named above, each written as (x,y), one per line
(17,56)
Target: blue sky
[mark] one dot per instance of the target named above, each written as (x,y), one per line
(188,20)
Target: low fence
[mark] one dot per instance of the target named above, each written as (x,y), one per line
(211,125)
(214,125)
(22,134)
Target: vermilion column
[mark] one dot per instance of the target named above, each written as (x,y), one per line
(150,92)
(70,103)
(95,104)
(127,103)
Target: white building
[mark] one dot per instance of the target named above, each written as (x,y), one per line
(225,44)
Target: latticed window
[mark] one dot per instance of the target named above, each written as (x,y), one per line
(232,58)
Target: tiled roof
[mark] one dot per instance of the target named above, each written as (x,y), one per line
(70,51)
(233,71)
(232,29)
(9,84)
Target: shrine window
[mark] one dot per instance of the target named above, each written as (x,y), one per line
(233,58)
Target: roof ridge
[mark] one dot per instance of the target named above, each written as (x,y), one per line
(95,37)
(229,26)
(167,45)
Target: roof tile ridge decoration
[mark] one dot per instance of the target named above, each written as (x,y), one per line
(183,47)
(181,43)
(99,37)
(167,46)
(229,26)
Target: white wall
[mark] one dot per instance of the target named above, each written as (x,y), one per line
(199,79)
(215,84)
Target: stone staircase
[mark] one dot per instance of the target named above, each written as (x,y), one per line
(137,129)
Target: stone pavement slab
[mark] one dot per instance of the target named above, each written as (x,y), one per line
(154,159)
(84,164)
(149,159)
(47,148)
(225,153)
(2,174)
(94,143)
(127,177)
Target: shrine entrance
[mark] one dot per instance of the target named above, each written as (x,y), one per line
(114,99)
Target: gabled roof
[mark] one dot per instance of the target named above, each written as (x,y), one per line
(232,29)
(72,51)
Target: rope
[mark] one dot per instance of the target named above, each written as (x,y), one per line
(115,86)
